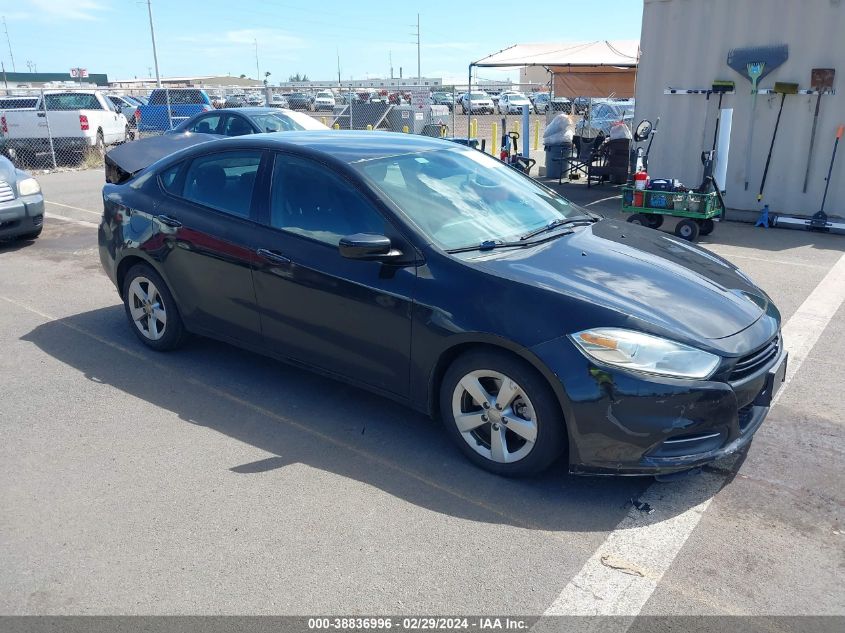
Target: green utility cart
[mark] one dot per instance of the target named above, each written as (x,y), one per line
(698,210)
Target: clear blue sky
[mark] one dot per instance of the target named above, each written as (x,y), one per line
(209,37)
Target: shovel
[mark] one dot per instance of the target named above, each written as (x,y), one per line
(821,80)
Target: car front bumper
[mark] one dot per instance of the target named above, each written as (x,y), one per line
(21,216)
(624,423)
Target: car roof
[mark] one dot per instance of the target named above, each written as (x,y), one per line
(344,145)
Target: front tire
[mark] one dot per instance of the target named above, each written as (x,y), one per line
(501,413)
(151,309)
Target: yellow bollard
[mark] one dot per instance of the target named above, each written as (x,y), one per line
(536,136)
(443,129)
(336,126)
(369,128)
(495,139)
(406,129)
(515,125)
(323,119)
(473,128)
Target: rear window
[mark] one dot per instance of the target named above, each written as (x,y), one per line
(71,101)
(177,97)
(18,104)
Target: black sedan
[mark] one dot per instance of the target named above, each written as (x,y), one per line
(436,275)
(240,121)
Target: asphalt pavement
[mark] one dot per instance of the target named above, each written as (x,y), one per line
(213,480)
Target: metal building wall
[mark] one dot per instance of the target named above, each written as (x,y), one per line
(685,44)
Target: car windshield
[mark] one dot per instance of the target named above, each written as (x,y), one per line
(478,95)
(325,95)
(460,197)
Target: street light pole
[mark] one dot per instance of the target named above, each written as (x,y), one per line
(419,74)
(9,42)
(153,36)
(257,70)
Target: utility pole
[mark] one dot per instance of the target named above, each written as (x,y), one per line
(9,42)
(5,83)
(153,36)
(390,57)
(419,74)
(338,67)
(257,70)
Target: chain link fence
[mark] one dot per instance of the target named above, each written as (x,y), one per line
(74,127)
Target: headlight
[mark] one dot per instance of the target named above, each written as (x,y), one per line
(28,187)
(643,352)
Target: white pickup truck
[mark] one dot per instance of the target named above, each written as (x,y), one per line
(67,123)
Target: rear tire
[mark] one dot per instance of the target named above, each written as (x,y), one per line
(639,218)
(152,312)
(687,230)
(524,436)
(706,227)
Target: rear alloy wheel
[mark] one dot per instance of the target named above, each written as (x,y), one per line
(151,309)
(687,229)
(501,414)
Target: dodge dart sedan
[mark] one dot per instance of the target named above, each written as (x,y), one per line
(437,276)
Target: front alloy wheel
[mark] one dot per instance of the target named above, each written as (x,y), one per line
(494,416)
(501,413)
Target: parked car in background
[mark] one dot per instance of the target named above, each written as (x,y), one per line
(18,103)
(235,101)
(278,101)
(601,118)
(408,273)
(298,100)
(131,109)
(443,98)
(217,100)
(476,102)
(255,99)
(512,103)
(323,100)
(581,104)
(247,120)
(79,121)
(167,108)
(541,102)
(21,203)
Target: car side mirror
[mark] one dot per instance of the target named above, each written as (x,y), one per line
(643,131)
(366,246)
(118,109)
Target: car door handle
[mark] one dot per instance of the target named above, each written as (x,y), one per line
(168,221)
(273,256)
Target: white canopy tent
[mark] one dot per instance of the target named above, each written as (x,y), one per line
(598,68)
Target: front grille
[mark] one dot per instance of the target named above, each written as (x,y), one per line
(6,191)
(751,363)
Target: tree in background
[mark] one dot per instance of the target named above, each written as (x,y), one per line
(298,77)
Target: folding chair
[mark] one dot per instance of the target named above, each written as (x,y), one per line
(587,152)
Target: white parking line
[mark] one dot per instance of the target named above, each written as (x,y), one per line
(68,206)
(622,574)
(74,220)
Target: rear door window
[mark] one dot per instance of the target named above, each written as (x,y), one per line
(224,181)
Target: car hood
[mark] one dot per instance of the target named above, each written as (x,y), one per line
(642,273)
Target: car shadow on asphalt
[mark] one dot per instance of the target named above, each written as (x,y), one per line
(302,418)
